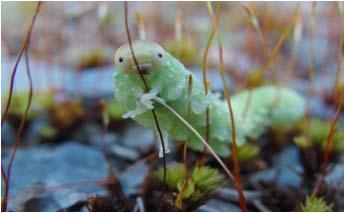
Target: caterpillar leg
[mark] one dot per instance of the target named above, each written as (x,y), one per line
(144,103)
(165,142)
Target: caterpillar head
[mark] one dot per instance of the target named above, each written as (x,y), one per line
(149,55)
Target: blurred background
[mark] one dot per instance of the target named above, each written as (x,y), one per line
(74,131)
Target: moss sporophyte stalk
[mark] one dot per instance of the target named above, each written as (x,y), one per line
(168,83)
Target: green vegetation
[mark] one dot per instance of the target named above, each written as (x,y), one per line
(316,204)
(319,131)
(190,186)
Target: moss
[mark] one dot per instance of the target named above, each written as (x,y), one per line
(247,152)
(315,204)
(319,131)
(19,102)
(48,132)
(254,79)
(65,114)
(190,186)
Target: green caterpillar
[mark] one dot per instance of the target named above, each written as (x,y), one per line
(168,81)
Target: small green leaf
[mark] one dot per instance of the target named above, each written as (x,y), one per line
(302,142)
(316,204)
(174,174)
(186,189)
(247,152)
(206,178)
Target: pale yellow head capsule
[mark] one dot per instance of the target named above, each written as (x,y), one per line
(149,55)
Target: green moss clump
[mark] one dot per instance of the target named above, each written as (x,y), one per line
(48,132)
(65,114)
(316,204)
(39,102)
(190,186)
(247,152)
(319,131)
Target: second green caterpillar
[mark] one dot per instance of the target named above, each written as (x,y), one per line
(168,81)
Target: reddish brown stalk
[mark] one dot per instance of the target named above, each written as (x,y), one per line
(279,44)
(179,199)
(4,201)
(6,175)
(205,81)
(331,134)
(190,84)
(5,195)
(14,70)
(153,110)
(272,58)
(255,24)
(242,200)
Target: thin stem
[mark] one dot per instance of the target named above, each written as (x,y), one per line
(256,26)
(190,85)
(331,134)
(7,176)
(153,110)
(5,195)
(14,70)
(212,152)
(19,133)
(272,58)
(204,74)
(242,199)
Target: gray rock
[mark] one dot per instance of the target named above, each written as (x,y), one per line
(319,109)
(124,152)
(8,134)
(87,85)
(132,178)
(335,176)
(33,131)
(89,133)
(70,163)
(97,138)
(41,203)
(321,49)
(72,81)
(287,157)
(214,77)
(284,176)
(335,179)
(218,206)
(58,76)
(138,137)
(285,169)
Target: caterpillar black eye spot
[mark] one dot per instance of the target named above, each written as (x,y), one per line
(120,59)
(159,55)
